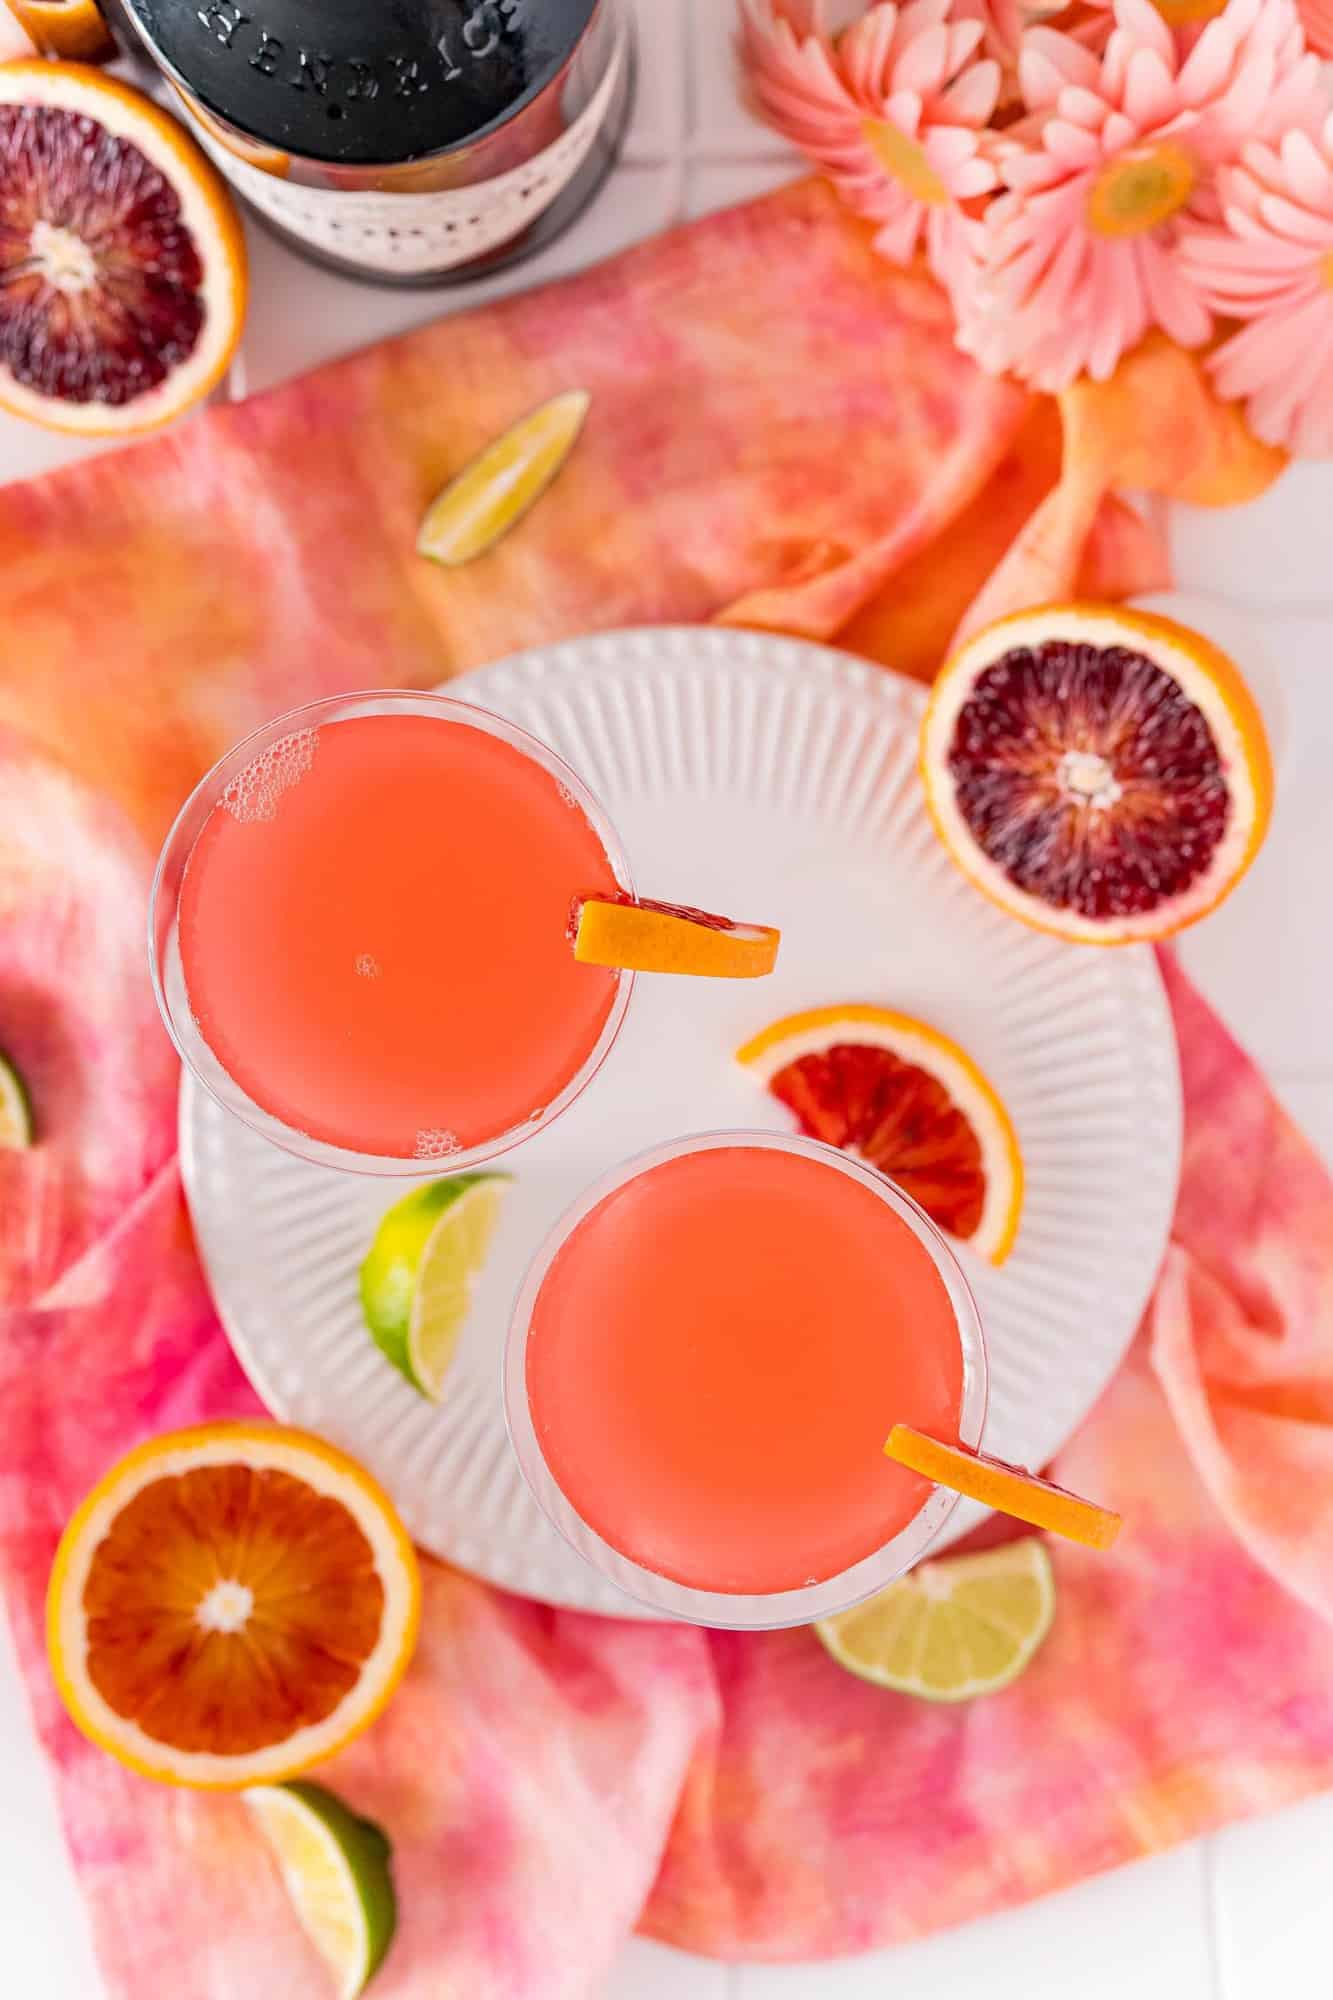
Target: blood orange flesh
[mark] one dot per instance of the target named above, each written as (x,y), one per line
(1089,778)
(896,1116)
(230,1606)
(100,279)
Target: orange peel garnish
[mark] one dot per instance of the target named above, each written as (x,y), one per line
(1005,1488)
(669,937)
(72,29)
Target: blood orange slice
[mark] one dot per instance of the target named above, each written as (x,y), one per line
(909,1101)
(230,1605)
(1101,773)
(122,262)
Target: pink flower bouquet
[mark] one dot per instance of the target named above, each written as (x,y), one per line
(1078,176)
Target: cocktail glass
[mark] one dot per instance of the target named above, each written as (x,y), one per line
(405,942)
(704,1360)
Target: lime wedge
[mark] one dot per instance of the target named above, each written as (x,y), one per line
(418,1279)
(335,1868)
(15,1111)
(498,486)
(952,1629)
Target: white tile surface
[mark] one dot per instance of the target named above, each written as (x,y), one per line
(1265,957)
(719,124)
(1272,1901)
(43,1926)
(1274,552)
(1309,1101)
(1238,1917)
(648,1971)
(712,184)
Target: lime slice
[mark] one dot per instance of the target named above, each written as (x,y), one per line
(335,1868)
(498,486)
(417,1282)
(952,1629)
(15,1111)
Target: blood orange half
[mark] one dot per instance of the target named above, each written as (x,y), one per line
(230,1605)
(1103,774)
(907,1100)
(122,262)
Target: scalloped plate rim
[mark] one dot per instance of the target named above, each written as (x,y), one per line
(585,663)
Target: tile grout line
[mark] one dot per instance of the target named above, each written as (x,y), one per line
(700,153)
(677,181)
(1214,1951)
(686,42)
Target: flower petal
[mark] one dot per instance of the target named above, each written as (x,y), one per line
(1174,302)
(964,41)
(1297,224)
(1150,89)
(865,53)
(971,98)
(1309,175)
(923,66)
(975,176)
(1049,63)
(1072,145)
(897,239)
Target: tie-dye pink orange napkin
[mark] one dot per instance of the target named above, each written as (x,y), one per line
(780,432)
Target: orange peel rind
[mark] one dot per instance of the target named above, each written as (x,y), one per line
(1006,1488)
(71,29)
(805,1059)
(1089,778)
(668,937)
(207,216)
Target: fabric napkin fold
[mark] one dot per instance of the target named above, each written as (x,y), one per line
(780,432)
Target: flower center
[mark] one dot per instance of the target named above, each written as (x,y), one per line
(1326,269)
(1138,191)
(61,257)
(226,1608)
(904,160)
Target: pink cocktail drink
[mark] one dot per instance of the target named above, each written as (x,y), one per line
(372,932)
(713,1355)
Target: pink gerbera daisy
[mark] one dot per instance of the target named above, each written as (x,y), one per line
(1077,260)
(1270,262)
(895,112)
(1317,20)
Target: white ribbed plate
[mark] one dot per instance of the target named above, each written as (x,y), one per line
(776,781)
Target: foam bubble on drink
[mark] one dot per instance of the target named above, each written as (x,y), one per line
(367,967)
(253,794)
(434,1143)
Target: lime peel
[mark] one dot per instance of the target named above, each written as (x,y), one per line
(952,1629)
(335,1867)
(419,1275)
(16,1128)
(495,489)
